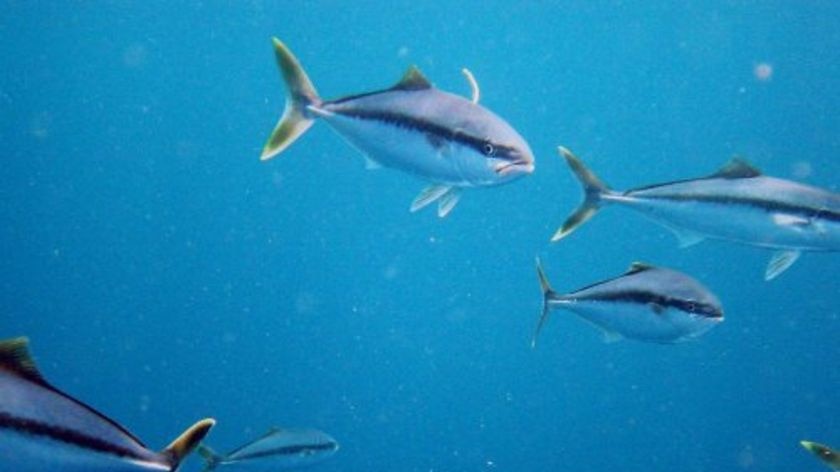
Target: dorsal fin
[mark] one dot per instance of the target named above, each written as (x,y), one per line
(638,267)
(413,79)
(15,358)
(737,168)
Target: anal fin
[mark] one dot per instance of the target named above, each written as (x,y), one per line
(780,262)
(448,201)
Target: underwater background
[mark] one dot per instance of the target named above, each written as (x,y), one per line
(163,273)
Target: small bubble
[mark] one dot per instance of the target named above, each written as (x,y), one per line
(763,71)
(135,55)
(40,125)
(802,169)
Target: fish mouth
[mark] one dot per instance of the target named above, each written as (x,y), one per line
(519,167)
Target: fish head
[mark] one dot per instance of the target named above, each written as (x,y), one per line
(495,158)
(509,160)
(686,293)
(707,307)
(497,153)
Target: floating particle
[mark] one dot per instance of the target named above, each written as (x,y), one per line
(802,169)
(763,71)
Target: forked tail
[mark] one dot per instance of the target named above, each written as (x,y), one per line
(299,94)
(187,441)
(593,189)
(548,295)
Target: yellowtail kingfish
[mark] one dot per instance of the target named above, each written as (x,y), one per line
(736,203)
(44,429)
(828,456)
(646,303)
(278,449)
(449,141)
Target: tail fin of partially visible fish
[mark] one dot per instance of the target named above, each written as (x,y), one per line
(299,95)
(548,295)
(211,458)
(594,189)
(182,446)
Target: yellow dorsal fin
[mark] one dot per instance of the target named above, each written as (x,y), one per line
(737,168)
(15,358)
(638,267)
(413,79)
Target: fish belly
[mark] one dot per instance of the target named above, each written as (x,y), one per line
(29,453)
(429,157)
(641,322)
(741,223)
(273,463)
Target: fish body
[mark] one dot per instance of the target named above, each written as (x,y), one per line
(44,429)
(827,455)
(647,303)
(737,203)
(447,140)
(279,449)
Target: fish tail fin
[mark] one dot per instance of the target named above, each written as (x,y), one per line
(211,458)
(593,188)
(548,295)
(299,95)
(184,444)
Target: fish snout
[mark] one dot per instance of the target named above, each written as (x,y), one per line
(518,165)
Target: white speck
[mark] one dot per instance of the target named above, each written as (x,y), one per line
(135,55)
(802,169)
(402,52)
(763,71)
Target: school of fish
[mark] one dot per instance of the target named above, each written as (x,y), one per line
(451,143)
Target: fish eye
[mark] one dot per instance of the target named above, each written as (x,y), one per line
(489,149)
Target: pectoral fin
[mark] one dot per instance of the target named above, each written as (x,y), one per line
(429,195)
(686,238)
(783,219)
(657,308)
(612,337)
(780,262)
(370,164)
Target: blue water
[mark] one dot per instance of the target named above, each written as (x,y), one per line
(163,273)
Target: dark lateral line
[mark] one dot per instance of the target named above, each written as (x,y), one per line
(65,435)
(291,450)
(397,119)
(767,205)
(643,298)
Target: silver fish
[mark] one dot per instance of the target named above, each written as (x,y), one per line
(44,429)
(828,456)
(737,203)
(447,140)
(277,449)
(646,303)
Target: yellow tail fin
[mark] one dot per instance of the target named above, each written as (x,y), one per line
(182,446)
(299,94)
